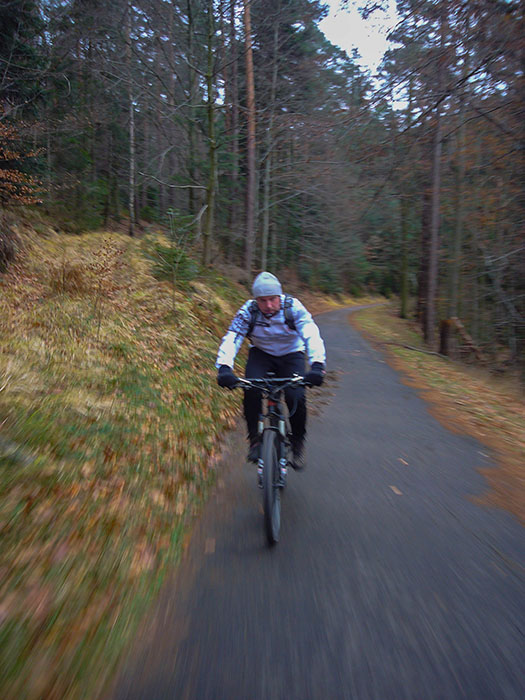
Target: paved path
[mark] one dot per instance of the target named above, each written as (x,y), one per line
(388,583)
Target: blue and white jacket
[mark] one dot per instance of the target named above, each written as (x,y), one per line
(272,335)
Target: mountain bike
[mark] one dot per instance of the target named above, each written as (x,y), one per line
(274,458)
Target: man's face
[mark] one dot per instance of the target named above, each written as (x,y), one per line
(269,305)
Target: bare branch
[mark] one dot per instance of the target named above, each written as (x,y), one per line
(168,184)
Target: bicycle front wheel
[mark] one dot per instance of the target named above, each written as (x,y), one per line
(271,486)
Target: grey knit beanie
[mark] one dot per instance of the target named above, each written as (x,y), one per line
(266,285)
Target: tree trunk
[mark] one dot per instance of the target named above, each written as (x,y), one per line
(269,147)
(234,94)
(405,209)
(430,316)
(109,156)
(444,336)
(458,228)
(212,154)
(191,121)
(131,110)
(173,11)
(460,207)
(250,146)
(144,198)
(422,277)
(404,257)
(436,192)
(520,331)
(49,162)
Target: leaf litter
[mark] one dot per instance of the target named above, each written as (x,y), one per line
(110,420)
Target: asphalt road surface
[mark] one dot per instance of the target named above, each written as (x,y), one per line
(389,581)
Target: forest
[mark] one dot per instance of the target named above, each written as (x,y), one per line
(259,144)
(154,156)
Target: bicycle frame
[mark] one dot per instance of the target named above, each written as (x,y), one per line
(272,389)
(275,443)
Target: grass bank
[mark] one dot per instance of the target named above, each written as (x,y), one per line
(109,416)
(465,399)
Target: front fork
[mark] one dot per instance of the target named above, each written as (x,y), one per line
(284,444)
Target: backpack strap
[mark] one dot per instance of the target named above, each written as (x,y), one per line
(254,310)
(288,315)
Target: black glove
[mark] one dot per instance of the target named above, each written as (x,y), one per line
(315,376)
(226,377)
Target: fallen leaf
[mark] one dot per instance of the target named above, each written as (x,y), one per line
(37,604)
(143,560)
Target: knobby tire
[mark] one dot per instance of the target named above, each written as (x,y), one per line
(271,489)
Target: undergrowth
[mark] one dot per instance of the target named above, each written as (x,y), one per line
(109,417)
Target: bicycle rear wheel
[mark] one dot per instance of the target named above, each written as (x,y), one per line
(271,486)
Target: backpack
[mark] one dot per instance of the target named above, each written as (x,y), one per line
(288,315)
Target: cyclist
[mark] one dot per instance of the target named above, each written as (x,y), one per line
(280,329)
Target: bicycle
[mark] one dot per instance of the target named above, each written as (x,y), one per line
(275,432)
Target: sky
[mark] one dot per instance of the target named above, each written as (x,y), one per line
(346,29)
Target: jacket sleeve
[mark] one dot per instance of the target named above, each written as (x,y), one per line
(309,332)
(232,340)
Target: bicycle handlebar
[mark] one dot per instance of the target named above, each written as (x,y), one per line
(271,383)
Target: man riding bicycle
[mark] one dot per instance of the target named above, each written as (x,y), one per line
(280,329)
